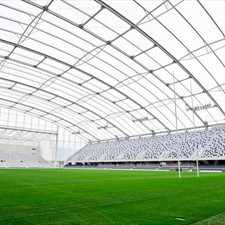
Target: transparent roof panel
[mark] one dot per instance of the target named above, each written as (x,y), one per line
(107,69)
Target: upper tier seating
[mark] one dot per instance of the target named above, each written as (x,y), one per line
(204,144)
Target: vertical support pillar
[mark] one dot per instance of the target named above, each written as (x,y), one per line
(179,169)
(197,168)
(176,124)
(56,146)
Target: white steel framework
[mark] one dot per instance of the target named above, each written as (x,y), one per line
(111,69)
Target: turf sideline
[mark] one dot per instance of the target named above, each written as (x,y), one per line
(133,169)
(119,169)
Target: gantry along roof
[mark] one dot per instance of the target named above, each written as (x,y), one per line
(115,68)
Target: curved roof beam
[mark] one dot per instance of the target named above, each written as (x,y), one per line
(52,114)
(80,59)
(189,53)
(122,52)
(210,16)
(134,26)
(204,41)
(169,84)
(84,72)
(72,102)
(55,76)
(125,54)
(105,83)
(133,58)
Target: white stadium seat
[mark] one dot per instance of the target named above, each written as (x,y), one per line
(203,145)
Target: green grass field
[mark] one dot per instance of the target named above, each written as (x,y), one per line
(102,197)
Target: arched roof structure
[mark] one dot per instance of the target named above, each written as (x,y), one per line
(106,69)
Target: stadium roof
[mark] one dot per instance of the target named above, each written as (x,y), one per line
(115,68)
